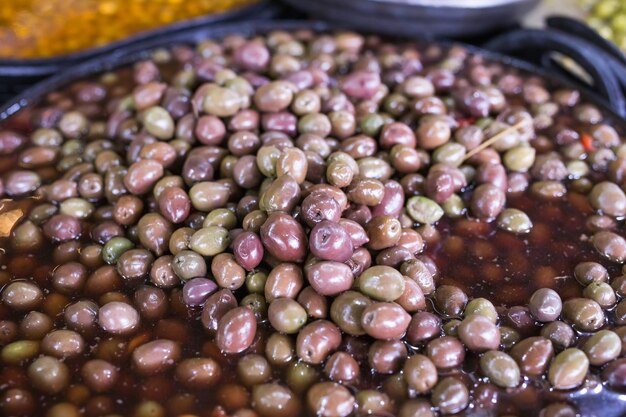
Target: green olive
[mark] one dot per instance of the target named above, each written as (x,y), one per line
(209,241)
(514,221)
(519,158)
(451,153)
(568,369)
(221,217)
(372,124)
(500,368)
(454,207)
(255,282)
(158,122)
(483,307)
(424,210)
(114,248)
(21,350)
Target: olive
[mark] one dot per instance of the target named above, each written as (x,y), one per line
(381,283)
(286,315)
(420,373)
(275,400)
(500,368)
(514,221)
(584,314)
(533,355)
(568,369)
(545,305)
(450,395)
(479,333)
(602,347)
(423,210)
(346,311)
(329,399)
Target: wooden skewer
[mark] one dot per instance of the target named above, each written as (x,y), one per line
(494,139)
(8,220)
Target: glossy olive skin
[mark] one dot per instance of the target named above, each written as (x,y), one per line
(384,232)
(568,369)
(284,238)
(236,330)
(545,304)
(583,313)
(156,356)
(248,250)
(420,373)
(382,283)
(282,195)
(329,277)
(602,347)
(286,315)
(330,241)
(392,202)
(423,326)
(533,355)
(500,368)
(487,201)
(275,400)
(479,334)
(174,204)
(317,207)
(450,395)
(154,233)
(215,307)
(317,340)
(446,352)
(330,399)
(199,373)
(385,321)
(386,356)
(346,311)
(285,280)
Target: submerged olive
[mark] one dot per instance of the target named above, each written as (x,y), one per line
(329,399)
(500,368)
(514,221)
(568,369)
(584,314)
(420,373)
(602,347)
(346,311)
(286,315)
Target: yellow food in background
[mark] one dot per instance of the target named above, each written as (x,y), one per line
(45,28)
(608,17)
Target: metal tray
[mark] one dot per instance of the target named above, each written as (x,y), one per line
(131,53)
(438,18)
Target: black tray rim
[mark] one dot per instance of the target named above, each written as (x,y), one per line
(432,27)
(141,50)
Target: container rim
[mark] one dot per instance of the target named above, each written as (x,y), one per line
(467,4)
(141,50)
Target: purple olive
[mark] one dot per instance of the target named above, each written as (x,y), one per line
(330,241)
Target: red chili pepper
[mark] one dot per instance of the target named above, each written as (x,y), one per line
(466,122)
(587,142)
